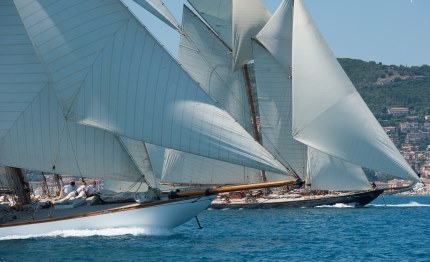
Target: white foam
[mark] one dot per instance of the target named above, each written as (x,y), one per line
(410,204)
(135,231)
(339,205)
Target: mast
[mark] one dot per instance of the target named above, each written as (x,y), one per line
(253,114)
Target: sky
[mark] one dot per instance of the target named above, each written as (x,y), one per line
(389,31)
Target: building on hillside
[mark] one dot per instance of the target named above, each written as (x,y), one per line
(408,127)
(425,170)
(398,111)
(392,134)
(417,137)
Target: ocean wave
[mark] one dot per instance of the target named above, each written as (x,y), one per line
(135,231)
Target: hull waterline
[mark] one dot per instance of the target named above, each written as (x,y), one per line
(161,215)
(356,199)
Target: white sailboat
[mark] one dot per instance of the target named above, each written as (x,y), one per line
(312,117)
(85,88)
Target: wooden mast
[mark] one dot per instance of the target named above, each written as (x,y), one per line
(224,189)
(253,114)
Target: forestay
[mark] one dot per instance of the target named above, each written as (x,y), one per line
(109,72)
(328,113)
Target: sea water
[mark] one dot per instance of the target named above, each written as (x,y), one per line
(391,228)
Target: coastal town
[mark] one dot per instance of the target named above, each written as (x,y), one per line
(410,132)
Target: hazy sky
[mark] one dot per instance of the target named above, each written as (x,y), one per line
(388,31)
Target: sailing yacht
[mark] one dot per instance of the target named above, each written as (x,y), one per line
(312,118)
(85,91)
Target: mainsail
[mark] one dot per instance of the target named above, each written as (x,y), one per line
(108,72)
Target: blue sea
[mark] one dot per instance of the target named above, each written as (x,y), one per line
(392,228)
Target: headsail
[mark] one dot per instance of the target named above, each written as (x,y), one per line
(329,173)
(249,17)
(328,113)
(276,36)
(109,72)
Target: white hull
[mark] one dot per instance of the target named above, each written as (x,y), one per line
(161,216)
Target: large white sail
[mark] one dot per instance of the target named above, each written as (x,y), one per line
(183,168)
(209,61)
(41,139)
(109,72)
(158,9)
(328,113)
(138,152)
(218,15)
(329,173)
(276,36)
(274,101)
(249,17)
(33,131)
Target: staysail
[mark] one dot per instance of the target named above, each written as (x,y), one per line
(328,113)
(326,172)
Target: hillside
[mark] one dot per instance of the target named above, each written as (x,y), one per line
(384,86)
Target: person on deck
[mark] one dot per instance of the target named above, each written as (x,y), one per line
(91,189)
(67,189)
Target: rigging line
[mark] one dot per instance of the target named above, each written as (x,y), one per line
(59,144)
(288,166)
(74,152)
(136,182)
(134,160)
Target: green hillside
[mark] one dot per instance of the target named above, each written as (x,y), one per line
(384,86)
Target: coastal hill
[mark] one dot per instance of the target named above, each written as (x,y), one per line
(385,86)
